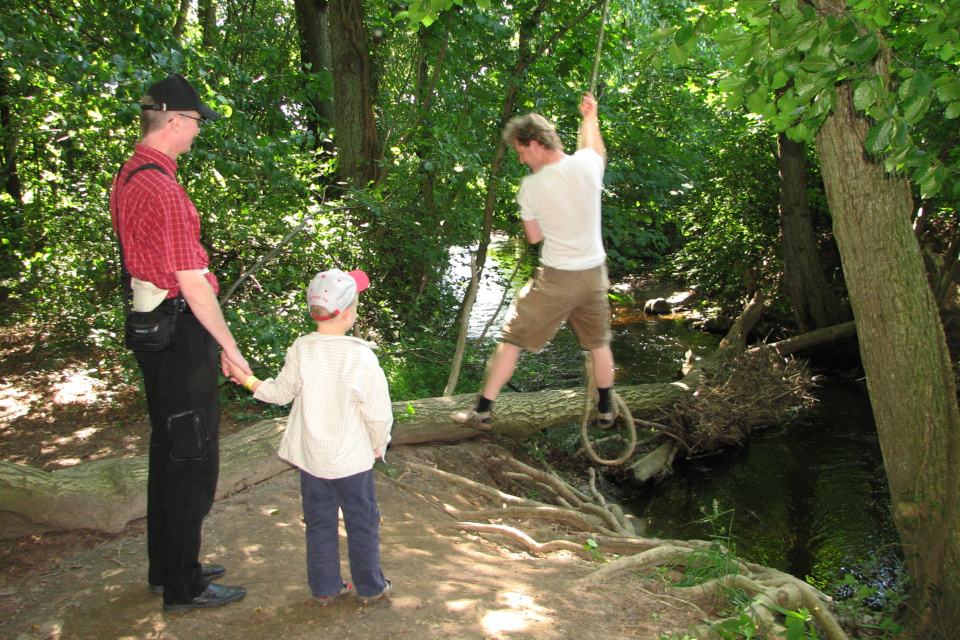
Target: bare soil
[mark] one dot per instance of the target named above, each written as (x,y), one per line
(59,408)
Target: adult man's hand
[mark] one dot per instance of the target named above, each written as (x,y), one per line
(203,303)
(588,105)
(237,359)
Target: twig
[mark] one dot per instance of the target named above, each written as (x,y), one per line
(464,325)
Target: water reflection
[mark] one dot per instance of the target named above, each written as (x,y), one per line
(810,498)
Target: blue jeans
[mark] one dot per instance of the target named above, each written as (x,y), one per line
(356,496)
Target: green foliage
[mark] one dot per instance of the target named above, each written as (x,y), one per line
(788,61)
(76,114)
(876,610)
(731,223)
(426,12)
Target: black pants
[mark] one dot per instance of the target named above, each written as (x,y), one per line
(181,388)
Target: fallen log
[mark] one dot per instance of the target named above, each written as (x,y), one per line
(106,494)
(812,339)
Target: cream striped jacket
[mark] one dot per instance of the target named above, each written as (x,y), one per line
(341,405)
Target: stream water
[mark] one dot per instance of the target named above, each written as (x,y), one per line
(809,497)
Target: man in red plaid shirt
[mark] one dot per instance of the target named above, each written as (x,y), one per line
(160,235)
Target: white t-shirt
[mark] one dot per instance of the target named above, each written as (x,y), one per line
(564,199)
(341,405)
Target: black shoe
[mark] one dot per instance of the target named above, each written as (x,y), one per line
(209,572)
(213,596)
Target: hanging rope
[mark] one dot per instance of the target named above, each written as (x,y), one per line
(596,57)
(590,399)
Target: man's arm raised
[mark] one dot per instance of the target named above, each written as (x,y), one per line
(590,137)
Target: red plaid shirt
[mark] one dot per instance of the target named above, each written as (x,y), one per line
(160,225)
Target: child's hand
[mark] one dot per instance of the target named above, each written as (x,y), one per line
(235,372)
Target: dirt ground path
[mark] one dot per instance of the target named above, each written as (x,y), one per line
(448,584)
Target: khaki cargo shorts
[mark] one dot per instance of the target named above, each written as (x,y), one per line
(553,296)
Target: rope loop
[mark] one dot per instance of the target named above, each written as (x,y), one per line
(621,408)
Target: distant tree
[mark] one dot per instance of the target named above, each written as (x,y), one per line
(357,139)
(813,300)
(207,10)
(315,56)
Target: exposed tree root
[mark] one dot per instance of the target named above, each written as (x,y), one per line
(522,538)
(575,518)
(771,591)
(489,492)
(770,588)
(573,497)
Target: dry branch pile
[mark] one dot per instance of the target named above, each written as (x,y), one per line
(757,388)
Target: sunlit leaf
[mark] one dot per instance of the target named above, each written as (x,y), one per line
(864,95)
(863,49)
(757,101)
(879,137)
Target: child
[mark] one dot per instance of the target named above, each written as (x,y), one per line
(339,424)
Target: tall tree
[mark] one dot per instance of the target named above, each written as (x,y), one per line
(844,94)
(357,141)
(905,357)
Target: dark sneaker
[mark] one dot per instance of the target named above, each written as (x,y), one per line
(214,595)
(209,571)
(387,590)
(481,420)
(322,601)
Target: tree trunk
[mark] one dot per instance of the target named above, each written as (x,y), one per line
(814,304)
(208,24)
(316,59)
(904,353)
(356,129)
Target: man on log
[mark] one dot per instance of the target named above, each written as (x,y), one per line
(559,205)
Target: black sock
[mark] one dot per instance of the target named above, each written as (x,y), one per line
(483,404)
(603,404)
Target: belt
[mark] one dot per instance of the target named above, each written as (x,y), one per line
(178,304)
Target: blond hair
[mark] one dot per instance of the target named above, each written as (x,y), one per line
(532,127)
(319,311)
